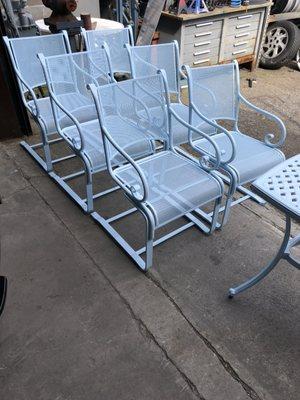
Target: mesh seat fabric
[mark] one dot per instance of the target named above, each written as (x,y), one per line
(85,110)
(115,40)
(131,141)
(176,185)
(180,132)
(214,91)
(253,158)
(69,77)
(147,60)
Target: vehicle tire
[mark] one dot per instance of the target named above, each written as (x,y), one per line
(292,6)
(279,6)
(281,44)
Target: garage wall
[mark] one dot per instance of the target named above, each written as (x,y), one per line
(88,6)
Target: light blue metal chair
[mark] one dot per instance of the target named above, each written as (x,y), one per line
(116,39)
(76,118)
(164,186)
(23,53)
(214,95)
(147,60)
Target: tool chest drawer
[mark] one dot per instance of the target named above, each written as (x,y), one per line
(239,48)
(243,24)
(203,28)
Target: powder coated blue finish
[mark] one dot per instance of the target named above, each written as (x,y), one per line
(23,53)
(214,95)
(115,39)
(164,186)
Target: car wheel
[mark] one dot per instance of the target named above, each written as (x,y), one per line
(279,6)
(281,44)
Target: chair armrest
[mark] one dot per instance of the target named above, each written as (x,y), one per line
(32,94)
(269,136)
(216,160)
(220,128)
(54,99)
(106,136)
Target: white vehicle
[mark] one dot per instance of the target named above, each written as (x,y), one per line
(282,41)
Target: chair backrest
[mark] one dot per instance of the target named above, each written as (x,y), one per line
(147,60)
(140,103)
(116,39)
(214,90)
(68,77)
(23,52)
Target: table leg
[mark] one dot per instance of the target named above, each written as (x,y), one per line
(264,272)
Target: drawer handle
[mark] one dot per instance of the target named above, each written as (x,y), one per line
(239,35)
(239,52)
(243,26)
(199,53)
(201,61)
(203,34)
(202,44)
(240,43)
(204,24)
(245,16)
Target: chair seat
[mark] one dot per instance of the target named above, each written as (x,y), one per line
(82,108)
(130,139)
(253,157)
(176,185)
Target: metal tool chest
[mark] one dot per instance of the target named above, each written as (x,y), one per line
(218,36)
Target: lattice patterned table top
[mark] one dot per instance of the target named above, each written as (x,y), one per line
(281,186)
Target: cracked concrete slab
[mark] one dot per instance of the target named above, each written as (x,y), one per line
(66,333)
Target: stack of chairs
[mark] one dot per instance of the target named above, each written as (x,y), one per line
(169,159)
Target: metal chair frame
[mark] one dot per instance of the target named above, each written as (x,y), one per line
(178,73)
(89,45)
(227,172)
(181,72)
(46,163)
(87,204)
(140,203)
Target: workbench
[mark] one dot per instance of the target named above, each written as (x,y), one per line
(219,36)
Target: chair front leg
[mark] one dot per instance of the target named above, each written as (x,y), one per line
(215,215)
(233,183)
(46,147)
(89,191)
(149,243)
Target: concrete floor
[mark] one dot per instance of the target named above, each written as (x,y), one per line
(81,321)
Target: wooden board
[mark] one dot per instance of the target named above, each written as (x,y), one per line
(284,16)
(150,21)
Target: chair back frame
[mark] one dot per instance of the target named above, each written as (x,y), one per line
(133,53)
(54,98)
(104,34)
(22,82)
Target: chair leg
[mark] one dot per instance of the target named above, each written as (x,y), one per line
(48,158)
(227,210)
(89,191)
(215,215)
(46,148)
(231,190)
(149,244)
